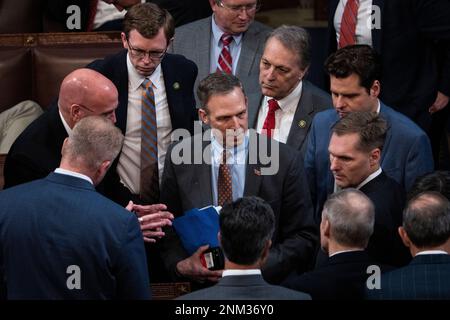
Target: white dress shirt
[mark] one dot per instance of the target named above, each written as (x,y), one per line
(363,21)
(129,164)
(240,272)
(283,116)
(73,174)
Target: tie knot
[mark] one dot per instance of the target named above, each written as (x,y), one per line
(147,83)
(273,105)
(226,39)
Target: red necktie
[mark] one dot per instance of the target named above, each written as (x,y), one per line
(225,61)
(269,123)
(347,35)
(224,183)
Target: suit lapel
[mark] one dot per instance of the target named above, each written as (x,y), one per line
(202,48)
(202,178)
(254,104)
(253,176)
(302,118)
(174,97)
(121,81)
(385,113)
(250,43)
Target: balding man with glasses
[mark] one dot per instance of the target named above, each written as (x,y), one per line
(229,41)
(155,98)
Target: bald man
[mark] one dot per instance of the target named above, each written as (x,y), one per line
(37,151)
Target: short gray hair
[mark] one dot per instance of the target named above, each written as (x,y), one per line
(295,39)
(94,139)
(351,215)
(426,219)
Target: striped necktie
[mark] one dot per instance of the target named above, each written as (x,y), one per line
(149,184)
(347,35)
(225,61)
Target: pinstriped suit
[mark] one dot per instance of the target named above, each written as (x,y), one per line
(426,277)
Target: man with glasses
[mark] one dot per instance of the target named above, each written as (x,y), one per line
(228,41)
(155,97)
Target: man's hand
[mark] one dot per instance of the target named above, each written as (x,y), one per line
(439,104)
(152,219)
(192,268)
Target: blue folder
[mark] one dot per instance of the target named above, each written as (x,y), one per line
(198,227)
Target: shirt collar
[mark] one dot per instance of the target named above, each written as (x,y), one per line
(238,153)
(431,252)
(291,100)
(217,33)
(370,178)
(66,126)
(135,79)
(241,272)
(345,251)
(73,174)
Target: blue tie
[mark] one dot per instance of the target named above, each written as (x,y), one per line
(149,185)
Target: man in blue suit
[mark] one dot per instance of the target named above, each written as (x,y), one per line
(426,232)
(354,84)
(60,239)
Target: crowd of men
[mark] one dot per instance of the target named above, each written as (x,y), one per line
(313,189)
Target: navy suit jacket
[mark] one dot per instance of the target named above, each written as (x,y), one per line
(342,276)
(427,277)
(50,224)
(406,41)
(245,287)
(406,153)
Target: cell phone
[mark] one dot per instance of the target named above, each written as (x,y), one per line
(213,259)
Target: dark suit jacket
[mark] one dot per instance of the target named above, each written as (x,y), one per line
(406,153)
(245,287)
(193,40)
(427,277)
(406,41)
(342,276)
(312,100)
(37,150)
(187,186)
(388,198)
(50,224)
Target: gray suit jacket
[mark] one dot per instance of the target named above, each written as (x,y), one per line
(312,101)
(245,287)
(193,41)
(186,186)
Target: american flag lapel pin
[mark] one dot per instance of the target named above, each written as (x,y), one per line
(257,172)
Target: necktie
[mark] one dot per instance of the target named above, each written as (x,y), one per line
(149,185)
(348,24)
(224,183)
(225,61)
(269,123)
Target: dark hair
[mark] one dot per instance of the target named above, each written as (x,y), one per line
(359,59)
(147,19)
(370,127)
(295,39)
(216,83)
(438,181)
(245,227)
(426,219)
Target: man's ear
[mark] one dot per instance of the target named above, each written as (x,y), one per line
(75,113)
(375,89)
(375,156)
(404,236)
(203,116)
(124,40)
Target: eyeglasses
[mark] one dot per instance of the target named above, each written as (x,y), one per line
(249,8)
(106,114)
(140,54)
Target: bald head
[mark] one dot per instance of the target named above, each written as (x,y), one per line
(85,92)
